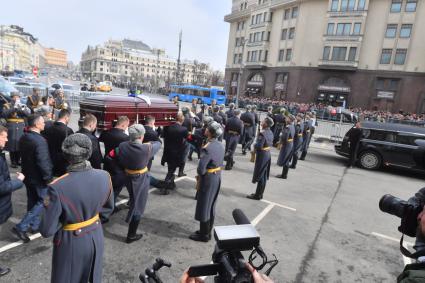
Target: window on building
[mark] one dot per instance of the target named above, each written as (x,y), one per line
(338,53)
(266,55)
(281,55)
(343,29)
(330,30)
(252,20)
(258,18)
(235,58)
(236,41)
(357,28)
(291,34)
(265,17)
(405,31)
(288,54)
(260,54)
(287,13)
(351,5)
(334,5)
(386,56)
(400,56)
(344,5)
(248,56)
(396,6)
(294,12)
(352,54)
(361,5)
(326,52)
(411,5)
(284,33)
(391,31)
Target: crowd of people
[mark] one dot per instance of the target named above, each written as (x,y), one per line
(72,188)
(325,111)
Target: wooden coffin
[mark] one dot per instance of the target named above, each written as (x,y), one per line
(107,108)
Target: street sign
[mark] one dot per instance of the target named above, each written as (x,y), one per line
(35,71)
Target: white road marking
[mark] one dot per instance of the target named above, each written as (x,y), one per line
(279,205)
(406,260)
(262,214)
(38,235)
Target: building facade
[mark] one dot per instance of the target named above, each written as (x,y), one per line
(130,61)
(19,50)
(362,53)
(56,57)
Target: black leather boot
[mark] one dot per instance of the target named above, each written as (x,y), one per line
(202,234)
(294,162)
(169,182)
(303,155)
(132,235)
(181,171)
(4,271)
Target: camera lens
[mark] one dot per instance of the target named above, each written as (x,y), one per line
(392,205)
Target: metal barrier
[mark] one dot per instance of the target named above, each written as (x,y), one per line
(332,131)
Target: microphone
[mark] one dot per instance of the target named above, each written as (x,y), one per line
(240,217)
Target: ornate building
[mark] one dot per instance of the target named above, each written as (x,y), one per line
(368,53)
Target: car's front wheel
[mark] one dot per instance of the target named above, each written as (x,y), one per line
(370,160)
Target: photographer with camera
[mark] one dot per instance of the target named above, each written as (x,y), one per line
(412,215)
(257,277)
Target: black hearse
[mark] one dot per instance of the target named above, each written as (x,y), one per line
(387,144)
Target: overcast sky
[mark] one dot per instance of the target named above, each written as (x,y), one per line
(72,25)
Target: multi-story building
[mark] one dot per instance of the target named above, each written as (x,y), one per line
(56,57)
(131,61)
(368,53)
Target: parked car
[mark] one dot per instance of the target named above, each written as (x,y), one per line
(14,80)
(22,84)
(386,144)
(104,87)
(67,88)
(39,85)
(6,87)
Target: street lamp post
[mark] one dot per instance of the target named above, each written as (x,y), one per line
(240,73)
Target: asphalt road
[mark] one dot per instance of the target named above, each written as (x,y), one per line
(323,224)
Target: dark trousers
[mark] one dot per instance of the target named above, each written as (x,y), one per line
(32,218)
(261,186)
(15,157)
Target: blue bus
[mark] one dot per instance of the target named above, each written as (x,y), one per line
(203,94)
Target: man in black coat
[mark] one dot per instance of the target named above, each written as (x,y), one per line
(175,145)
(7,186)
(248,135)
(55,135)
(37,167)
(112,139)
(89,126)
(355,135)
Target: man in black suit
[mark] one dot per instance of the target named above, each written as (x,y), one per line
(175,145)
(37,167)
(112,139)
(55,135)
(89,126)
(152,136)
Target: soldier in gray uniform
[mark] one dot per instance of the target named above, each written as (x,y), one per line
(248,135)
(306,136)
(134,156)
(298,141)
(209,182)
(15,114)
(230,112)
(263,158)
(233,131)
(286,147)
(71,213)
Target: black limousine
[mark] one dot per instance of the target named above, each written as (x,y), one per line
(387,144)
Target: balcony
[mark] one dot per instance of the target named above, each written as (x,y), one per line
(343,38)
(338,65)
(276,4)
(263,44)
(347,14)
(237,15)
(260,25)
(256,65)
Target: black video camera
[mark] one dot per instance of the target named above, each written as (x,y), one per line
(228,264)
